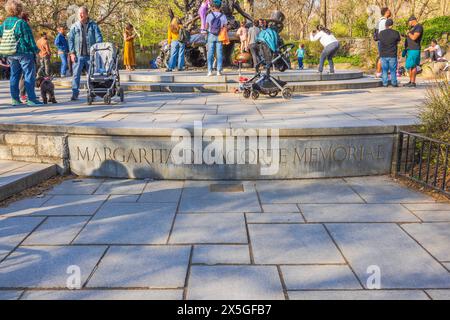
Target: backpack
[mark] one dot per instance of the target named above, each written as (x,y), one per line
(184,36)
(8,44)
(376,34)
(216,24)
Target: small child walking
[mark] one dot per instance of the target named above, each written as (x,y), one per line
(300,56)
(242,33)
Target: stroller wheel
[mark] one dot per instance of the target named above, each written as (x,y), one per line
(255,95)
(247,93)
(90,99)
(121,95)
(273,94)
(287,93)
(107,99)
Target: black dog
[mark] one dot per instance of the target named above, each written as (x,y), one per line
(47,89)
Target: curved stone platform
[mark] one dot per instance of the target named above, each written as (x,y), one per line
(336,134)
(197,81)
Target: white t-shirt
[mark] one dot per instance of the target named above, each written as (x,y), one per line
(382,24)
(325,39)
(438,51)
(210,17)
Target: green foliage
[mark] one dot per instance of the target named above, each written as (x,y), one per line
(435,114)
(360,28)
(435,28)
(340,30)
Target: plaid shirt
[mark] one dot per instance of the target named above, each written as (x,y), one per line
(23,33)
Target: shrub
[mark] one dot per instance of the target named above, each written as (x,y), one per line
(435,114)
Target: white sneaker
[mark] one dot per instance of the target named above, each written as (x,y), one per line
(219,73)
(210,74)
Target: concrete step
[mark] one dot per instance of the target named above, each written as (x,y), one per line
(233,76)
(299,87)
(17,176)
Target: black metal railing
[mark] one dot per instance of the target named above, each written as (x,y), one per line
(424,160)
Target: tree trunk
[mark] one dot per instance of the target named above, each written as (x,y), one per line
(324,13)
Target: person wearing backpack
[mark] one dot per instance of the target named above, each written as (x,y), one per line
(18,45)
(176,39)
(381,26)
(215,21)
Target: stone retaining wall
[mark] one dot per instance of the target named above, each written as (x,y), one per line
(35,147)
(308,153)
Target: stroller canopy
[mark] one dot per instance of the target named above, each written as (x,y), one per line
(104,58)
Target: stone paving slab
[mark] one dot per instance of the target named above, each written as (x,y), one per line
(434,237)
(122,187)
(46,267)
(23,207)
(14,230)
(209,228)
(359,295)
(274,218)
(142,267)
(439,294)
(103,295)
(357,213)
(10,294)
(162,191)
(74,205)
(433,216)
(436,206)
(234,283)
(76,187)
(126,223)
(221,254)
(402,262)
(321,277)
(56,231)
(307,191)
(123,198)
(384,190)
(280,208)
(197,198)
(292,244)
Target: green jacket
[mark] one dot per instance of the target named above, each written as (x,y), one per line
(23,33)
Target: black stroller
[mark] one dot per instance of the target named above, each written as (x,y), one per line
(103,78)
(265,83)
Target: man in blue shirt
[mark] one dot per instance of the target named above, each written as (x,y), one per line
(83,34)
(63,49)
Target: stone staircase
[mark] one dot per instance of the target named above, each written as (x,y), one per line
(197,81)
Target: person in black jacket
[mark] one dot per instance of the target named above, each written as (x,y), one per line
(389,40)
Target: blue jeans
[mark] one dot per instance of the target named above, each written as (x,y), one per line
(327,54)
(177,55)
(78,66)
(63,57)
(22,64)
(214,45)
(389,64)
(300,62)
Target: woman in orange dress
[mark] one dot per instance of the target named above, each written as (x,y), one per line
(129,56)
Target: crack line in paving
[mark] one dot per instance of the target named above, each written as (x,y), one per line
(23,240)
(95,267)
(343,256)
(188,274)
(427,251)
(283,283)
(176,212)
